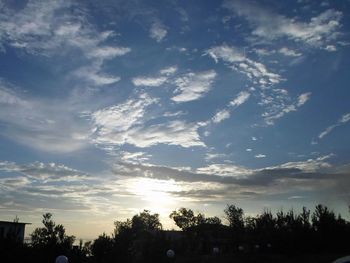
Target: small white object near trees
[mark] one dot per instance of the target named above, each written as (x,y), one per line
(61,259)
(240,248)
(170,253)
(216,250)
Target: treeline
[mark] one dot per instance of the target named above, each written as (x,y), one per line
(202,239)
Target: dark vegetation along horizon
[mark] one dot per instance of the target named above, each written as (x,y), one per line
(320,236)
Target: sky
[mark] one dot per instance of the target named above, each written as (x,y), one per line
(111,107)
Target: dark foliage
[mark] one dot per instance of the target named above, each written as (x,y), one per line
(284,237)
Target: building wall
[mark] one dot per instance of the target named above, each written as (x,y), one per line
(11,228)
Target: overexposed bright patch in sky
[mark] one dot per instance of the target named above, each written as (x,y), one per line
(157,193)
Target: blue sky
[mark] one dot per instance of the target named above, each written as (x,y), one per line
(110,107)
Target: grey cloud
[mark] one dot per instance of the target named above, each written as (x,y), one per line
(48,172)
(232,175)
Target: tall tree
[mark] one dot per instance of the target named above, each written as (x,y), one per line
(234,216)
(51,234)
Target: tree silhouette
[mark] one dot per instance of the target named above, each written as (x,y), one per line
(51,234)
(234,216)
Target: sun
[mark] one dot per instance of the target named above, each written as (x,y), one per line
(158,194)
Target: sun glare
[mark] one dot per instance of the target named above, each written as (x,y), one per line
(158,194)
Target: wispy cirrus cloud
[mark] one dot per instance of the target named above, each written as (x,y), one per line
(155,81)
(46,172)
(168,70)
(289,52)
(112,123)
(149,81)
(158,31)
(237,60)
(276,102)
(38,122)
(283,50)
(320,31)
(126,123)
(343,120)
(223,114)
(57,27)
(175,132)
(281,105)
(40,29)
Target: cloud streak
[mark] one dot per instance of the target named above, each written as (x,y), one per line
(342,121)
(223,114)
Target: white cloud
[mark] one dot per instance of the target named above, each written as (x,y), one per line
(344,119)
(282,106)
(158,31)
(331,48)
(255,71)
(193,86)
(172,133)
(263,52)
(248,150)
(303,98)
(93,76)
(174,114)
(318,32)
(168,71)
(260,156)
(241,98)
(126,123)
(226,53)
(157,81)
(133,156)
(50,28)
(108,52)
(289,52)
(226,170)
(221,115)
(149,81)
(111,123)
(225,113)
(211,156)
(275,101)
